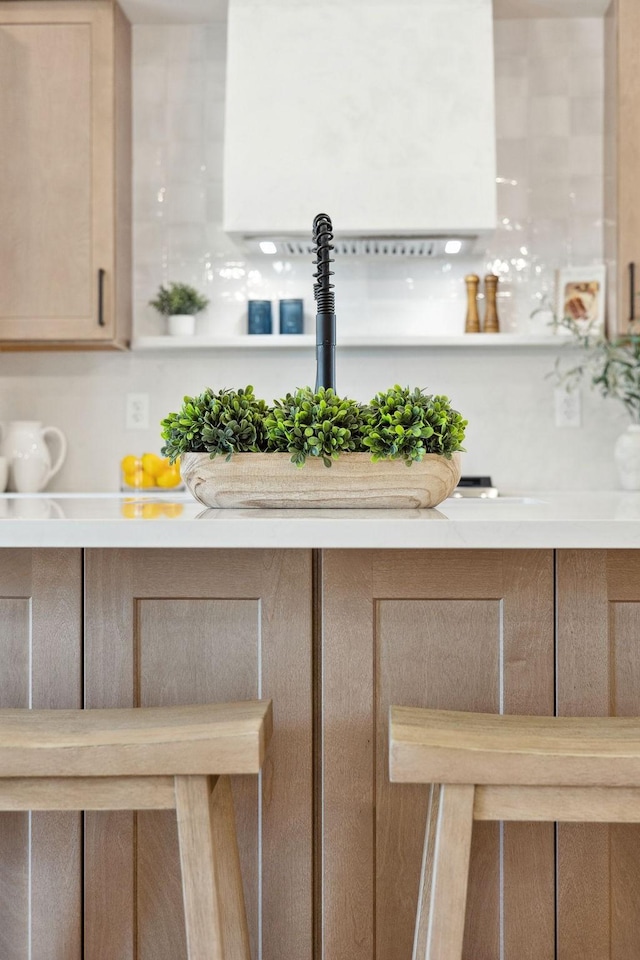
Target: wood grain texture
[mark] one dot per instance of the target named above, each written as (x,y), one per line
(198,626)
(151,741)
(69,116)
(579,804)
(624,52)
(40,853)
(271,480)
(212,887)
(121,318)
(598,674)
(442,899)
(441,629)
(448,746)
(616,277)
(87,793)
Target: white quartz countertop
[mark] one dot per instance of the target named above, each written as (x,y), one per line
(542,520)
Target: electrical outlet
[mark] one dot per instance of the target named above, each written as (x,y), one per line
(568,404)
(137,411)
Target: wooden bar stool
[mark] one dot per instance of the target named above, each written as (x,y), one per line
(176,758)
(488,767)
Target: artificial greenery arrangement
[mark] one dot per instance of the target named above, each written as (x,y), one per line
(178,299)
(308,424)
(399,424)
(226,422)
(407,424)
(612,367)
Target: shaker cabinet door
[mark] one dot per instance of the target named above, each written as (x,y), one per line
(41,667)
(60,110)
(599,676)
(464,630)
(191,626)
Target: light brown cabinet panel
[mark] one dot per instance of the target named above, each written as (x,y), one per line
(191,626)
(621,160)
(466,630)
(65,170)
(41,666)
(598,675)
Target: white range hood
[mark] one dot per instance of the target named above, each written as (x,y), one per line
(380,114)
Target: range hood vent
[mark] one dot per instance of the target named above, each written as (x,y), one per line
(382,112)
(365,246)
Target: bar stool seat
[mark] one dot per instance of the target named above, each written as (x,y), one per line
(489,767)
(151,758)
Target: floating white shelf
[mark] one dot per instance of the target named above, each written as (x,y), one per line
(307,341)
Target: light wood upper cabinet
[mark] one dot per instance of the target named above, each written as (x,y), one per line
(621,163)
(463,630)
(65,174)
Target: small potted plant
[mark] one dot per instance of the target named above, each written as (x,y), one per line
(236,451)
(179,303)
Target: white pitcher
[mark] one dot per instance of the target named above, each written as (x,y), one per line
(30,464)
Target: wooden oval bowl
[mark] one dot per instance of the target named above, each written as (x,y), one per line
(252,480)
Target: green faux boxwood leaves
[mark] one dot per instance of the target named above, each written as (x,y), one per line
(308,424)
(225,422)
(407,424)
(399,424)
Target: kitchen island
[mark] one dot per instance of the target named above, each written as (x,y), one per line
(520,605)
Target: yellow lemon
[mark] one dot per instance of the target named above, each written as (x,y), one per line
(147,480)
(152,464)
(170,478)
(134,478)
(129,463)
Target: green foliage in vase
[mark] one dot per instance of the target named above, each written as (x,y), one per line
(178,298)
(307,424)
(611,367)
(407,424)
(222,423)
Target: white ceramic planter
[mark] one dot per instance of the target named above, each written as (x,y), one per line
(181,325)
(271,480)
(627,457)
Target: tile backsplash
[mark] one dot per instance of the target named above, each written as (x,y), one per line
(549,105)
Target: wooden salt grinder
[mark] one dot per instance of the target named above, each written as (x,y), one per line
(491,322)
(473,319)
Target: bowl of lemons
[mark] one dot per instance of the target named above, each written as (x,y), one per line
(150,473)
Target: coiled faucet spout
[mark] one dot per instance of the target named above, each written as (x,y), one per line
(325,301)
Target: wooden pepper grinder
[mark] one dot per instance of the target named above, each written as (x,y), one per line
(491,322)
(473,319)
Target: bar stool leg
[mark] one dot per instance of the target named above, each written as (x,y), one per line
(215,916)
(445,873)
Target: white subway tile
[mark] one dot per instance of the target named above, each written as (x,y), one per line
(548,37)
(549,76)
(587,116)
(185,120)
(510,37)
(586,156)
(185,81)
(549,116)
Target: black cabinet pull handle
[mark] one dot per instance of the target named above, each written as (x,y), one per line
(632,292)
(101,276)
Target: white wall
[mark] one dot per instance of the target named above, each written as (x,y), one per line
(549,99)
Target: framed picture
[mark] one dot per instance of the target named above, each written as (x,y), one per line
(582,297)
